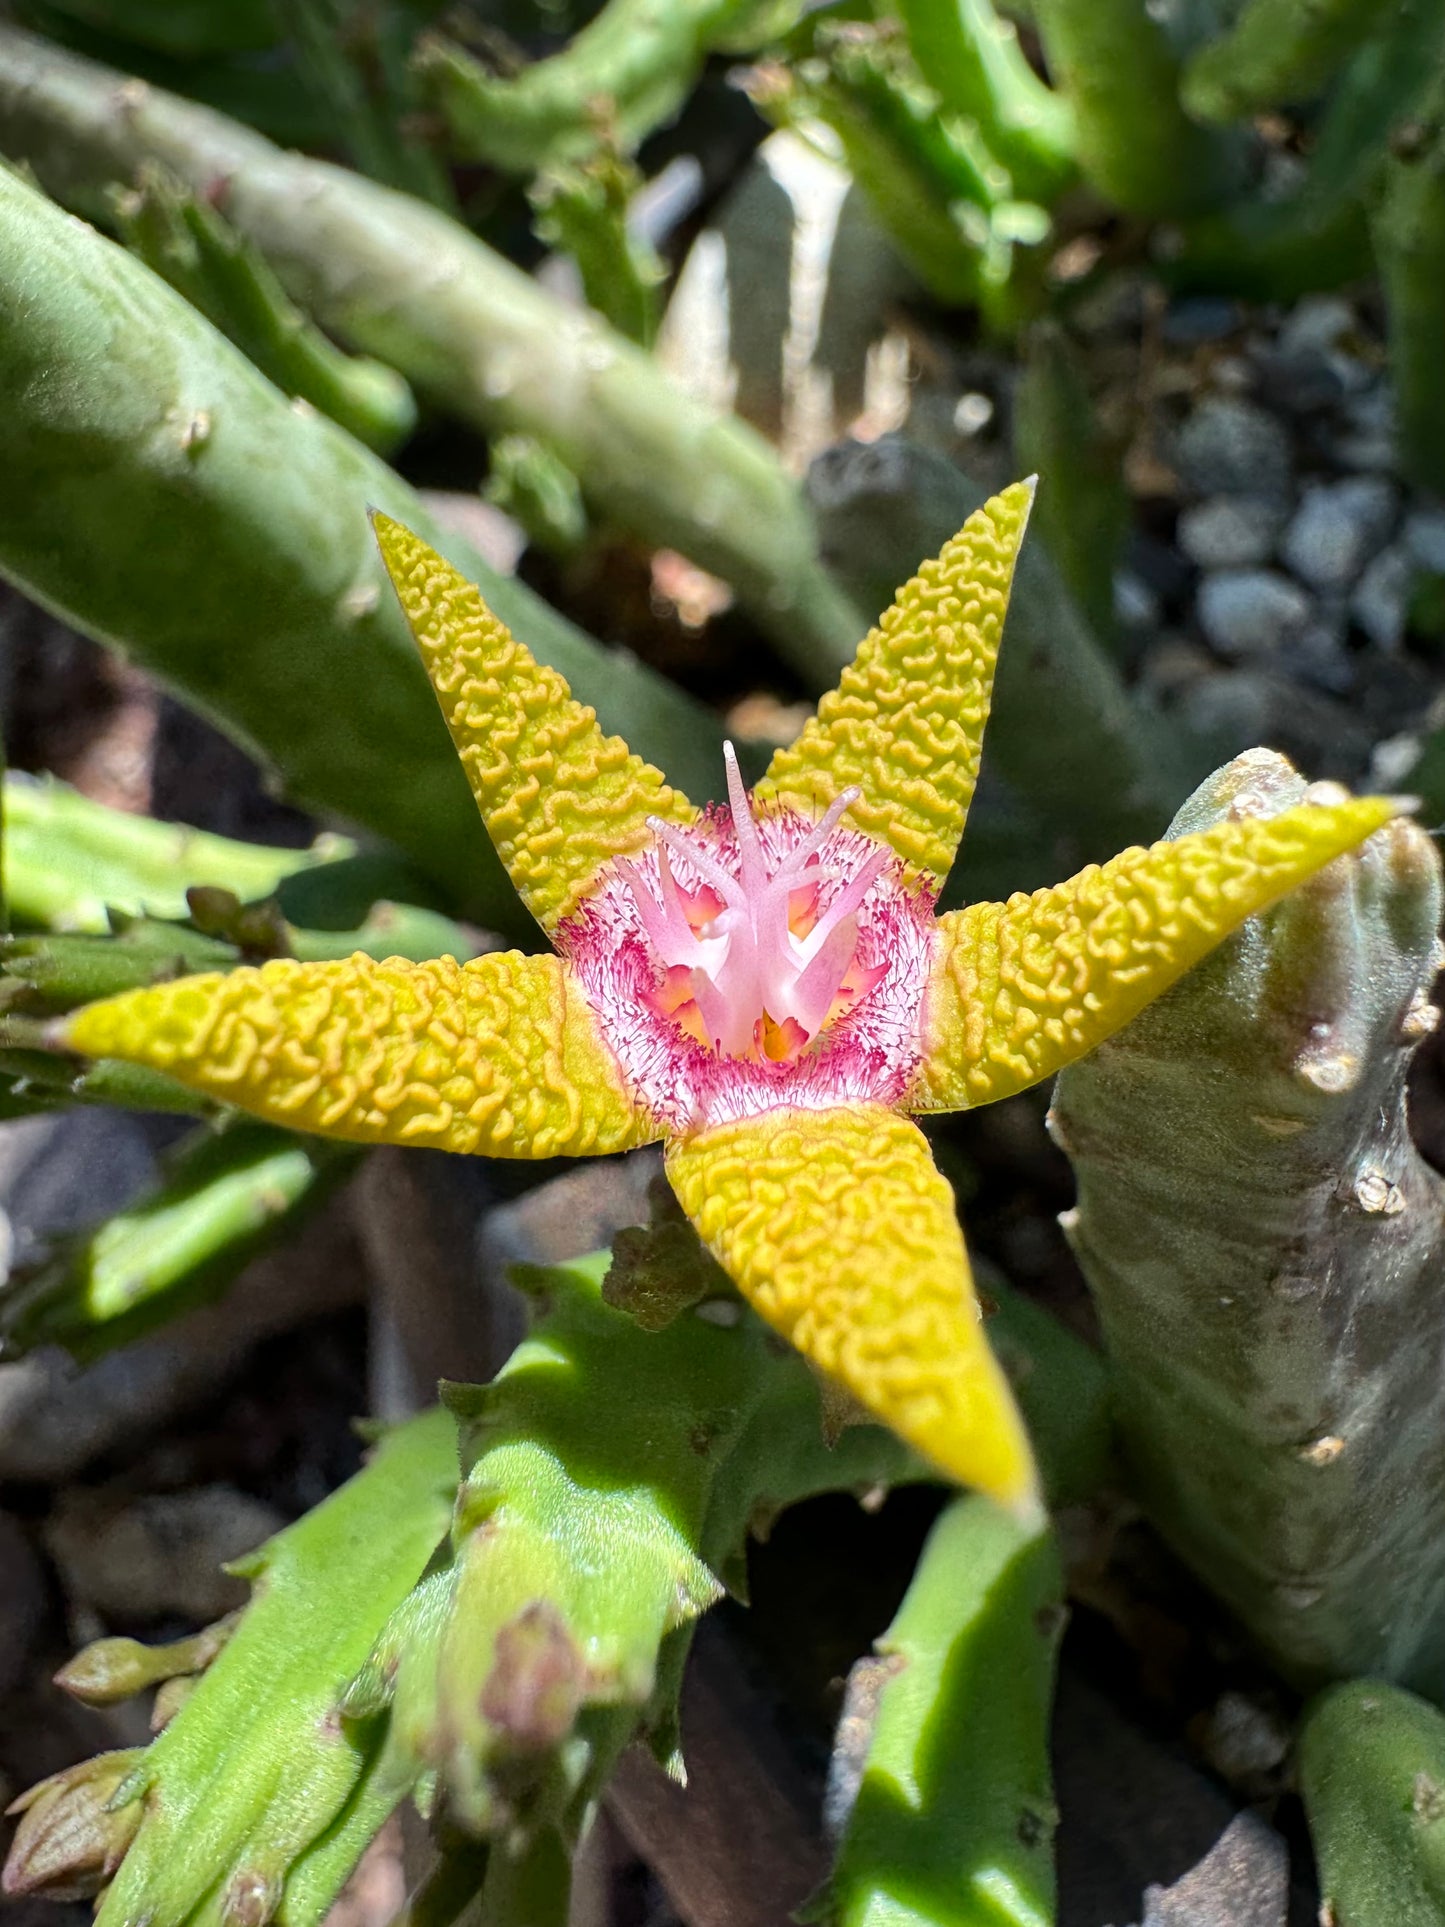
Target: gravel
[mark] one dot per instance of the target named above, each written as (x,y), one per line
(1337,527)
(1423,535)
(159,1554)
(1230,532)
(1250,612)
(1381,599)
(1228,446)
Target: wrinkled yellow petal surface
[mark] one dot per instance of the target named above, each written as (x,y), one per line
(837,1226)
(500,1055)
(906,721)
(559,798)
(1020,989)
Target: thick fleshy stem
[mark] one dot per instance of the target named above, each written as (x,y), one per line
(222,1200)
(628,71)
(183,239)
(1409,236)
(1277,52)
(256,1797)
(1114,62)
(1318,236)
(70,860)
(518,1667)
(940,1783)
(1372,1772)
(404,282)
(263,506)
(1265,1247)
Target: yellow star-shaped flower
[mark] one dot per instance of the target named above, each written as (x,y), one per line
(762,985)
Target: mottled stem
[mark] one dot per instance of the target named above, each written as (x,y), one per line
(163,497)
(1265,1247)
(405,283)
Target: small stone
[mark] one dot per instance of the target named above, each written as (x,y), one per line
(1423,535)
(1196,318)
(159,1554)
(1381,599)
(1318,323)
(1367,440)
(1136,607)
(1247,612)
(1243,1881)
(1318,656)
(1303,384)
(1336,528)
(1230,532)
(1233,447)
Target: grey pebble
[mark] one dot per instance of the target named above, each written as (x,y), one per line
(157,1554)
(1243,1881)
(1136,607)
(1380,602)
(1423,535)
(1230,531)
(1317,323)
(1247,612)
(1367,440)
(1233,447)
(1337,527)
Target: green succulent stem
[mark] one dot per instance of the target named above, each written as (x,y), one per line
(626,73)
(1083,513)
(223,1200)
(472,332)
(69,860)
(969,54)
(256,1793)
(952,1820)
(1409,236)
(581,208)
(185,241)
(1116,66)
(1372,1772)
(121,411)
(1277,51)
(1264,1245)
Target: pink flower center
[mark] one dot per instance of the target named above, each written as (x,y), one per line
(753,967)
(749,961)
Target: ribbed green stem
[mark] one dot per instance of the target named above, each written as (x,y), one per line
(222,1201)
(969,54)
(1083,509)
(1409,236)
(1115,64)
(1277,51)
(482,339)
(68,860)
(250,1785)
(186,242)
(953,1819)
(1265,1247)
(1372,1772)
(627,72)
(164,497)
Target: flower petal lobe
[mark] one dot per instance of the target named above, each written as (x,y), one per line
(906,722)
(499,1056)
(559,798)
(1020,989)
(840,1231)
